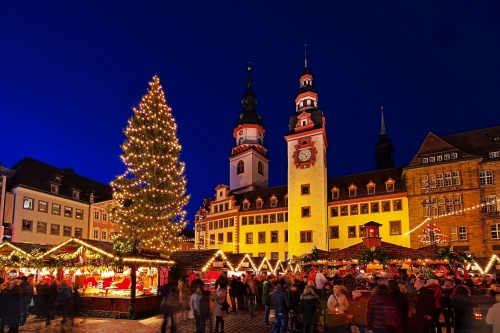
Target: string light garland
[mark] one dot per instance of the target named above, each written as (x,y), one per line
(432,235)
(151,193)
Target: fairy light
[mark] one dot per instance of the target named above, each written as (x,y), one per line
(223,256)
(247,256)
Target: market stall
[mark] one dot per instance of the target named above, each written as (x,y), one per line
(110,285)
(263,265)
(242,264)
(20,259)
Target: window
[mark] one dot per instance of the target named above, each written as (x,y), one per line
(286,217)
(371,189)
(453,233)
(262,254)
(486,177)
(243,221)
(454,156)
(395,227)
(488,204)
(458,205)
(364,208)
(374,206)
(462,233)
(265,218)
(351,232)
(104,217)
(449,205)
(258,219)
(354,209)
(79,214)
(240,167)
(261,237)
(274,237)
(216,224)
(424,179)
(221,224)
(249,238)
(386,206)
(495,230)
(306,211)
(250,220)
(352,192)
(226,206)
(78,232)
(220,238)
(334,211)
(396,205)
(432,159)
(211,225)
(28,203)
(43,206)
(54,188)
(286,255)
(66,231)
(344,210)
(425,160)
(389,187)
(441,206)
(274,255)
(246,205)
(56,209)
(334,232)
(96,216)
(226,223)
(231,222)
(447,179)
(27,225)
(304,189)
(104,235)
(362,231)
(432,181)
(306,236)
(258,203)
(55,229)
(41,227)
(216,208)
(456,178)
(446,157)
(494,154)
(96,233)
(212,239)
(260,168)
(229,237)
(285,238)
(439,180)
(274,202)
(57,179)
(335,194)
(280,217)
(439,158)
(76,194)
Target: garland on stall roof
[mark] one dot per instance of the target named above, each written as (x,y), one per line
(456,259)
(368,256)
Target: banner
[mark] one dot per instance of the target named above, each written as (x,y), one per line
(8,212)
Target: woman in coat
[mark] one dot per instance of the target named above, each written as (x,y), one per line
(493,315)
(11,306)
(463,306)
(219,298)
(309,306)
(200,304)
(382,313)
(402,302)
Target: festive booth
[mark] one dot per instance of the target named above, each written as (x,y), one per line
(111,285)
(242,264)
(207,263)
(20,259)
(263,265)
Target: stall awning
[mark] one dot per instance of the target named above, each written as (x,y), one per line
(241,261)
(200,259)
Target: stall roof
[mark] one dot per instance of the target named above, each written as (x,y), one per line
(236,259)
(196,259)
(393,250)
(23,247)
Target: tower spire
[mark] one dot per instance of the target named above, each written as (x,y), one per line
(249,76)
(305,53)
(382,122)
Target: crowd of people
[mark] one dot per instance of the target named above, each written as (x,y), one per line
(383,303)
(20,297)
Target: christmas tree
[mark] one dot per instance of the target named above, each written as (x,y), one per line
(432,235)
(151,194)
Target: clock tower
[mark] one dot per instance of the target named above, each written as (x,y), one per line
(248,163)
(307,176)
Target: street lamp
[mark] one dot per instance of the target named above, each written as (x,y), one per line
(430,204)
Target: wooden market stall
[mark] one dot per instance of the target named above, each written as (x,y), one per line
(20,259)
(242,264)
(111,285)
(263,265)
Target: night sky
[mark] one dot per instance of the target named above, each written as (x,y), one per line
(71,71)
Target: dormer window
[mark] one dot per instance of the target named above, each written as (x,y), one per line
(335,193)
(259,203)
(446,157)
(389,185)
(425,160)
(439,158)
(432,159)
(246,204)
(370,188)
(76,194)
(274,201)
(352,190)
(57,179)
(454,156)
(54,188)
(304,122)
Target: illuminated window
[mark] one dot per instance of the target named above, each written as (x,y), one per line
(27,225)
(43,206)
(488,204)
(274,237)
(216,225)
(249,238)
(273,218)
(79,214)
(439,158)
(335,193)
(306,236)
(395,227)
(351,232)
(67,231)
(306,211)
(229,237)
(41,227)
(396,205)
(212,239)
(28,203)
(280,217)
(446,157)
(458,205)
(495,230)
(78,232)
(246,205)
(240,168)
(265,219)
(334,211)
(375,207)
(432,181)
(344,211)
(68,212)
(261,254)
(425,160)
(334,232)
(432,159)
(352,190)
(364,208)
(456,178)
(462,233)
(250,220)
(304,189)
(221,224)
(386,206)
(362,231)
(354,209)
(274,201)
(55,229)
(454,156)
(447,179)
(439,180)
(258,219)
(274,255)
(220,238)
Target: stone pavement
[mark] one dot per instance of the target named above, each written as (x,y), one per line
(234,323)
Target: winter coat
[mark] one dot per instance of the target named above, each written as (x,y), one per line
(250,287)
(45,294)
(425,304)
(382,313)
(295,299)
(493,317)
(183,288)
(233,288)
(64,296)
(436,288)
(338,302)
(200,303)
(266,291)
(357,307)
(464,312)
(27,289)
(280,300)
(240,288)
(219,298)
(410,287)
(308,306)
(349,283)
(446,297)
(221,279)
(402,301)
(11,306)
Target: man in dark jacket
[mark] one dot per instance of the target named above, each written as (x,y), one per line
(11,306)
(445,301)
(282,306)
(266,297)
(233,293)
(425,304)
(27,289)
(382,313)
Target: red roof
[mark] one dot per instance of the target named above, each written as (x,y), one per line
(394,251)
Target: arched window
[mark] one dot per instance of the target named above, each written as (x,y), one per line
(240,168)
(260,168)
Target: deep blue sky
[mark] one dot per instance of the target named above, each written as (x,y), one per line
(70,72)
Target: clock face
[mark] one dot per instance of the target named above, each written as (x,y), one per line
(305,155)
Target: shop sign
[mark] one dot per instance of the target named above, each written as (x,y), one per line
(264,266)
(245,264)
(218,264)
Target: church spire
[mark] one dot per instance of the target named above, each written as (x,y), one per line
(382,122)
(249,101)
(305,53)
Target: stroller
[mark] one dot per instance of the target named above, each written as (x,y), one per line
(295,324)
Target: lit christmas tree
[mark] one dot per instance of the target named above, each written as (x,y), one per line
(429,233)
(151,194)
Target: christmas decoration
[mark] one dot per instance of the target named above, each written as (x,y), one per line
(369,256)
(456,259)
(151,194)
(430,233)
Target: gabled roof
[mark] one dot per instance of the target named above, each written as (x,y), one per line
(360,180)
(394,251)
(478,142)
(35,175)
(192,259)
(24,247)
(265,194)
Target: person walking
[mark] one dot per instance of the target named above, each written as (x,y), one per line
(240,293)
(169,307)
(434,285)
(402,301)
(183,288)
(27,289)
(219,313)
(493,315)
(266,298)
(425,306)
(445,302)
(53,293)
(233,288)
(200,304)
(250,291)
(382,314)
(64,298)
(282,306)
(12,306)
(308,307)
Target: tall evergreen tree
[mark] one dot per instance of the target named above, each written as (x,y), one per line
(151,193)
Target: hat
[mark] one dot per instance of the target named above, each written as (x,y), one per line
(356,294)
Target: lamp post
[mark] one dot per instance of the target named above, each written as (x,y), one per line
(430,204)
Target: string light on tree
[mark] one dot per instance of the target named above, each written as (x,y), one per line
(151,193)
(432,235)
